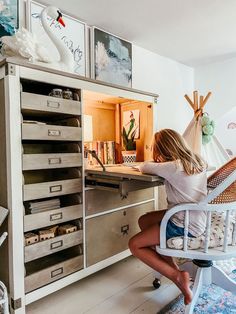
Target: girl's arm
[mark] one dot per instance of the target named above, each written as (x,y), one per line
(162,169)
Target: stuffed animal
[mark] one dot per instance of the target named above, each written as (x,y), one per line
(208,127)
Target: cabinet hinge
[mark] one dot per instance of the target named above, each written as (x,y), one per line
(16,304)
(10,69)
(155,100)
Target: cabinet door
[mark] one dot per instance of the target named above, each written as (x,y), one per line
(108,234)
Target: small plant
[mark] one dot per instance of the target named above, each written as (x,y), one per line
(128,139)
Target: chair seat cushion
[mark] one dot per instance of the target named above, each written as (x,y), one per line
(216,235)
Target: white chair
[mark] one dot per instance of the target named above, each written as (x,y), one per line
(205,250)
(4,308)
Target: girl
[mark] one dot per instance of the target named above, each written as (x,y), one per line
(185,182)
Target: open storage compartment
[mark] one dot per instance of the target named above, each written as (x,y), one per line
(50,268)
(105,118)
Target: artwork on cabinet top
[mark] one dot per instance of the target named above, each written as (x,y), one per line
(9,17)
(73,35)
(111,58)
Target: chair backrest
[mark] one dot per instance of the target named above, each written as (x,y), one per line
(229,194)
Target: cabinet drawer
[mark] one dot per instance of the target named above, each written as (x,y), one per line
(108,234)
(50,189)
(52,217)
(41,103)
(98,201)
(53,245)
(32,131)
(48,161)
(58,270)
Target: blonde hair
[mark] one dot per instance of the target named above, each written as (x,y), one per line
(169,145)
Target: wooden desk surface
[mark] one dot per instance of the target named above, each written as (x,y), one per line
(122,171)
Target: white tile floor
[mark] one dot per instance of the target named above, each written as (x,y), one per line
(125,287)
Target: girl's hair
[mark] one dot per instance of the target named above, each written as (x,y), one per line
(169,145)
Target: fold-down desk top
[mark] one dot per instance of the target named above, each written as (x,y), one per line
(122,171)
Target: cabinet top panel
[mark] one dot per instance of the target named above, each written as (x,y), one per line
(24,63)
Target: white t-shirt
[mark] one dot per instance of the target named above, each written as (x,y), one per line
(181,188)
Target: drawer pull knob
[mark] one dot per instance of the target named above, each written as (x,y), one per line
(54,133)
(57,272)
(53,104)
(54,161)
(55,188)
(124,229)
(56,245)
(55,216)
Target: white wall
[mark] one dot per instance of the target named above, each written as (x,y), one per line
(220,79)
(168,78)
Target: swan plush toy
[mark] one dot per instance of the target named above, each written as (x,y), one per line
(25,44)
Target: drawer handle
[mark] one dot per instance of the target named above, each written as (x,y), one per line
(54,133)
(53,104)
(55,188)
(124,229)
(56,272)
(54,161)
(56,216)
(56,245)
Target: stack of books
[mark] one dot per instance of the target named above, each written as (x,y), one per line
(105,151)
(34,207)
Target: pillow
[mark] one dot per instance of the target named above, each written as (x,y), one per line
(216,235)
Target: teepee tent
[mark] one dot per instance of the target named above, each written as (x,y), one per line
(207,146)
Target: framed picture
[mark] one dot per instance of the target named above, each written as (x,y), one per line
(73,35)
(9,17)
(111,58)
(131,122)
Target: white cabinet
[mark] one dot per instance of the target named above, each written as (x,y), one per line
(42,184)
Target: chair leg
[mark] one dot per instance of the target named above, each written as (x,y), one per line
(198,283)
(220,279)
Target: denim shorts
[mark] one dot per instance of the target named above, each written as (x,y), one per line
(173,231)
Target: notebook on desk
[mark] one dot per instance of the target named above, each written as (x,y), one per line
(133,165)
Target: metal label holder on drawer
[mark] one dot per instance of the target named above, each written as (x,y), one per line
(119,178)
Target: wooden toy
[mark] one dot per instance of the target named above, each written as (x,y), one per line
(31,238)
(46,234)
(68,228)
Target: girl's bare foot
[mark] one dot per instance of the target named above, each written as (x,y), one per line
(183,280)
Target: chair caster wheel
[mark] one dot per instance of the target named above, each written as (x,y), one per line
(156,283)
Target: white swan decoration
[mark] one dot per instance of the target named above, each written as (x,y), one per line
(25,44)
